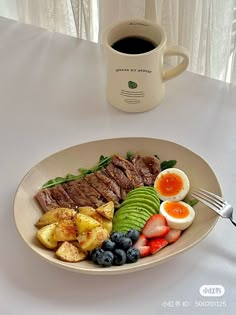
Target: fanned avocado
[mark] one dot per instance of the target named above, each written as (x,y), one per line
(139,205)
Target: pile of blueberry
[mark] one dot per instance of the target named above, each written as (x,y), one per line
(117,250)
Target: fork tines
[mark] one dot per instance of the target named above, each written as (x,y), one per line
(211,200)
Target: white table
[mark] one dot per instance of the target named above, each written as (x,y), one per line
(52,97)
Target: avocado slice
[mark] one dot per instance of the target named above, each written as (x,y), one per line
(130,214)
(125,226)
(139,212)
(140,205)
(154,206)
(144,196)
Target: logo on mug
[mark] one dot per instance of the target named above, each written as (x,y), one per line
(132,85)
(214,290)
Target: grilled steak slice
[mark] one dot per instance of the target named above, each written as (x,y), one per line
(153,164)
(142,169)
(61,197)
(129,170)
(46,200)
(111,183)
(77,195)
(117,174)
(91,193)
(102,188)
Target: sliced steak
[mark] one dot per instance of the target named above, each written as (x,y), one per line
(110,182)
(153,164)
(123,181)
(142,169)
(46,200)
(77,195)
(129,170)
(91,193)
(102,188)
(61,197)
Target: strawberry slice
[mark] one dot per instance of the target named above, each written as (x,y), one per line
(172,235)
(156,244)
(141,245)
(144,251)
(142,241)
(156,226)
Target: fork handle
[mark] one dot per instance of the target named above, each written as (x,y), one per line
(234,223)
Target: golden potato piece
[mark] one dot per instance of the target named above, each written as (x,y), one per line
(107,210)
(85,223)
(70,253)
(66,230)
(46,236)
(107,224)
(55,215)
(87,210)
(93,238)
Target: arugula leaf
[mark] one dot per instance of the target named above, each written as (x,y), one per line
(192,202)
(168,164)
(129,155)
(103,162)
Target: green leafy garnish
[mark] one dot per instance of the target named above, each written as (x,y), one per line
(167,164)
(129,155)
(103,162)
(192,202)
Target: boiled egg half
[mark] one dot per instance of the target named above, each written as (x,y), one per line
(172,184)
(179,215)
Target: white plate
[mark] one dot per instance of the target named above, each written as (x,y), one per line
(27,210)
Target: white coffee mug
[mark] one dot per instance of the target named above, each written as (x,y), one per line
(135,81)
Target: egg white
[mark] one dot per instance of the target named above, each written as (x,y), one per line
(178,223)
(184,191)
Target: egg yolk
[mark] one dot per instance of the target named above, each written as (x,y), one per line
(169,184)
(176,210)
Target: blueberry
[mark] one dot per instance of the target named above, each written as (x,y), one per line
(108,245)
(133,234)
(116,236)
(119,257)
(124,243)
(105,259)
(95,253)
(132,254)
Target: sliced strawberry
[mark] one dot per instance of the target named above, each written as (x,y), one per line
(173,235)
(156,226)
(142,241)
(156,244)
(144,251)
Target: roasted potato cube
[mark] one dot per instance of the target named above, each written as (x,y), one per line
(46,236)
(66,230)
(107,224)
(70,253)
(55,215)
(87,210)
(92,238)
(85,223)
(107,210)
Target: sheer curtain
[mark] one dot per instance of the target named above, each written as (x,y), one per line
(206,28)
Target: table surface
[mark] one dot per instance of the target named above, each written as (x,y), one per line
(52,97)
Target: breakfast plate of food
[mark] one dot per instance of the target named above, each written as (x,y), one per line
(115,206)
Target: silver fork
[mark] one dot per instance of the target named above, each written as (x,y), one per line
(216,203)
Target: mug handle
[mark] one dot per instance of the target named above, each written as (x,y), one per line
(175,71)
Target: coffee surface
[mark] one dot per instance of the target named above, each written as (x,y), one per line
(133,45)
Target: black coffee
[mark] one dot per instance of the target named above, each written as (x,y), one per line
(133,45)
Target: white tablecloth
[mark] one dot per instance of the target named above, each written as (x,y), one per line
(52,97)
